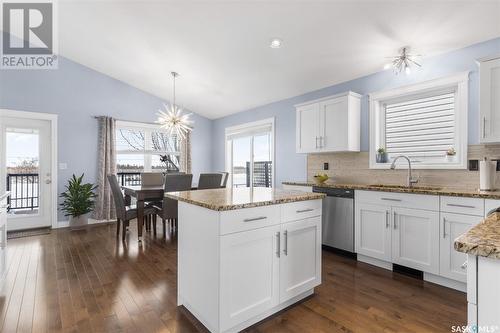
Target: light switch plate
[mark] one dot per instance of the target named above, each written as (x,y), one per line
(63,166)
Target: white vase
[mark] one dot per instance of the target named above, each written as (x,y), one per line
(78,222)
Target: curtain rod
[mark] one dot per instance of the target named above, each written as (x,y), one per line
(129,121)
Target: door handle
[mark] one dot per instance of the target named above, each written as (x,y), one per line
(285,247)
(391,199)
(387,219)
(444,227)
(484,127)
(304,210)
(255,219)
(321,142)
(464,265)
(278,244)
(395,219)
(460,206)
(316,142)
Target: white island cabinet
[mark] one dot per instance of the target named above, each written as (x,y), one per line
(246,254)
(3,235)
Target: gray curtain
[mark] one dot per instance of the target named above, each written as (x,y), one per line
(106,164)
(185,162)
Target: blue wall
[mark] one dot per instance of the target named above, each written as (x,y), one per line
(76,93)
(292,166)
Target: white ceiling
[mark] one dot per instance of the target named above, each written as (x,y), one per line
(221,48)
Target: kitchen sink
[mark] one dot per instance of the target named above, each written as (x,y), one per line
(429,188)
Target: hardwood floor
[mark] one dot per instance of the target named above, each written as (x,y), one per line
(88,281)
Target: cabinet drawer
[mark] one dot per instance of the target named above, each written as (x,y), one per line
(406,200)
(300,210)
(249,218)
(458,205)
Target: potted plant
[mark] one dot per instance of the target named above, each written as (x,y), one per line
(450,154)
(78,201)
(381,155)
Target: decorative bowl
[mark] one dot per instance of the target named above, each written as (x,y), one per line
(320,179)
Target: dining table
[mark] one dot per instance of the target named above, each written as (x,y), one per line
(142,194)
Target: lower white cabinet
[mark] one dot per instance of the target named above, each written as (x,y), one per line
(415,239)
(373,231)
(249,274)
(300,259)
(453,264)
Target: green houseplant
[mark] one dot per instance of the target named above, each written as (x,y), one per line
(381,156)
(78,201)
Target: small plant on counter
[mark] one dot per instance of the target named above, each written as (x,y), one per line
(320,178)
(78,201)
(381,156)
(451,151)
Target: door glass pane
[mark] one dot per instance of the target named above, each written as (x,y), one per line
(262,162)
(242,151)
(22,161)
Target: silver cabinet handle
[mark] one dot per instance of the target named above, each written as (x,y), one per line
(484,127)
(464,265)
(321,142)
(391,199)
(461,206)
(395,219)
(387,219)
(278,244)
(316,142)
(444,227)
(304,210)
(285,248)
(255,219)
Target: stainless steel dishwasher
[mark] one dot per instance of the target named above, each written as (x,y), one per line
(338,218)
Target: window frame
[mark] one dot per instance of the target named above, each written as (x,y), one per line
(457,82)
(147,128)
(229,152)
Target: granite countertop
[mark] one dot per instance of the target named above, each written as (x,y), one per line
(4,195)
(236,198)
(453,192)
(483,239)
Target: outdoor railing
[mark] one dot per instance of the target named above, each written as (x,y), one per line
(129,178)
(23,188)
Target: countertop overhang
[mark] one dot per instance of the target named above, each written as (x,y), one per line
(448,191)
(483,239)
(237,198)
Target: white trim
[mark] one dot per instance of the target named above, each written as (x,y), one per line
(350,93)
(234,128)
(52,118)
(459,82)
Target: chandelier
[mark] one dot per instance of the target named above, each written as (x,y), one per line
(403,62)
(173,119)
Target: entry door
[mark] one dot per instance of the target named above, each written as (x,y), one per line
(25,171)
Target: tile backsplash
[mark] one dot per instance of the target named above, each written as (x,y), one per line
(354,168)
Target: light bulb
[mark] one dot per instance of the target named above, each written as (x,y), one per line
(387,66)
(407,70)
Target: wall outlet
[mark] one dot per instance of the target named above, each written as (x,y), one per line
(325,166)
(474,165)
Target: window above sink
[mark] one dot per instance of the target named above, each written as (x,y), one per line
(426,121)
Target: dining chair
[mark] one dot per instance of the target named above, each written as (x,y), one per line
(124,213)
(225,176)
(209,181)
(152,179)
(167,210)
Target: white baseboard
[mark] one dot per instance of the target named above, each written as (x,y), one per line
(375,262)
(65,224)
(442,281)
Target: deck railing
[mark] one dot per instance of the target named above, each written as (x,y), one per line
(129,178)
(23,188)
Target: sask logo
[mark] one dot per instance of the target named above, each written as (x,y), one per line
(28,35)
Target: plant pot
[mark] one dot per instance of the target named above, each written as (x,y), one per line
(450,158)
(381,158)
(78,222)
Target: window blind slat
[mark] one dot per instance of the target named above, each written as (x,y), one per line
(421,127)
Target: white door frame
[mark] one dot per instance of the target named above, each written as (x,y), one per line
(52,118)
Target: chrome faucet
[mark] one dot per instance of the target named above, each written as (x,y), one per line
(410,181)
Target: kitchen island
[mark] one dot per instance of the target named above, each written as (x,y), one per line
(244,254)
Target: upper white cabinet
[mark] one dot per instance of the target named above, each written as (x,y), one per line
(489,100)
(329,124)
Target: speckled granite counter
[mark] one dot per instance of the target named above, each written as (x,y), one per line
(453,192)
(4,195)
(236,198)
(483,239)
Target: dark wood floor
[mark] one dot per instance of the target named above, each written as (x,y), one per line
(87,281)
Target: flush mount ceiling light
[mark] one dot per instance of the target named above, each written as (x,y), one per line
(403,62)
(172,119)
(276,43)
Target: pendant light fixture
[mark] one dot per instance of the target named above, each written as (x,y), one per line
(172,119)
(403,62)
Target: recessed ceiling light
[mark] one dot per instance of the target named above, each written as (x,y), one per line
(276,43)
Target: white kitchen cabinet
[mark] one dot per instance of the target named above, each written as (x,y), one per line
(300,262)
(330,124)
(415,239)
(489,99)
(453,264)
(489,205)
(373,230)
(3,238)
(488,292)
(249,274)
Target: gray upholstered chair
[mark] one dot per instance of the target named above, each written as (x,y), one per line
(124,213)
(225,176)
(152,179)
(168,208)
(209,181)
